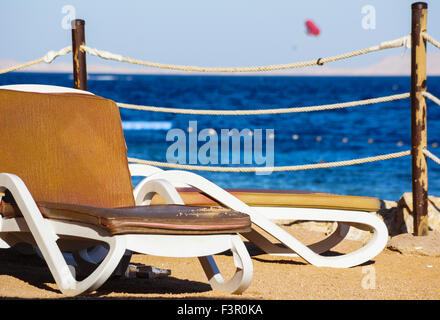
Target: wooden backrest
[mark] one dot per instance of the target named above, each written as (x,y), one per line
(66,147)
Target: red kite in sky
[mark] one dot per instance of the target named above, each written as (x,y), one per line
(312,28)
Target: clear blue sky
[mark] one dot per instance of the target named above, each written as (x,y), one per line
(208,33)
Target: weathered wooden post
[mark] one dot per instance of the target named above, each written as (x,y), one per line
(418,119)
(79,57)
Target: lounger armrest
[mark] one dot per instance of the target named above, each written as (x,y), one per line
(144,193)
(142,170)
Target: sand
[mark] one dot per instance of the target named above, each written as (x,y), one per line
(390,275)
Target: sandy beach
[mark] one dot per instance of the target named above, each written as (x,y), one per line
(389,276)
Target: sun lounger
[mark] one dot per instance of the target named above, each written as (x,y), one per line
(65,187)
(265,206)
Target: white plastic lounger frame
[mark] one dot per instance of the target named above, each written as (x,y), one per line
(262,216)
(46,232)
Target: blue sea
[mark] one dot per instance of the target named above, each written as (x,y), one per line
(344,134)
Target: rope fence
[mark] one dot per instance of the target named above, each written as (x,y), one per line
(403,41)
(274,111)
(432,156)
(273,169)
(431,97)
(431,40)
(47,58)
(267,111)
(51,55)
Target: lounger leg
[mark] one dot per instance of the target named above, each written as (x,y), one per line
(370,250)
(319,247)
(264,244)
(3,244)
(243,274)
(331,241)
(86,260)
(46,238)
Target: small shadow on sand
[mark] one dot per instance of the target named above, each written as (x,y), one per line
(278,261)
(168,285)
(28,268)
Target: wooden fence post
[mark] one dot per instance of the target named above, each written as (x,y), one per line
(79,57)
(418,119)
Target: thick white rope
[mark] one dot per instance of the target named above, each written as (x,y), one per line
(272,169)
(403,41)
(267,111)
(432,156)
(431,40)
(51,55)
(48,58)
(431,97)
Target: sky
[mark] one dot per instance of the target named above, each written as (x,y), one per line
(210,33)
